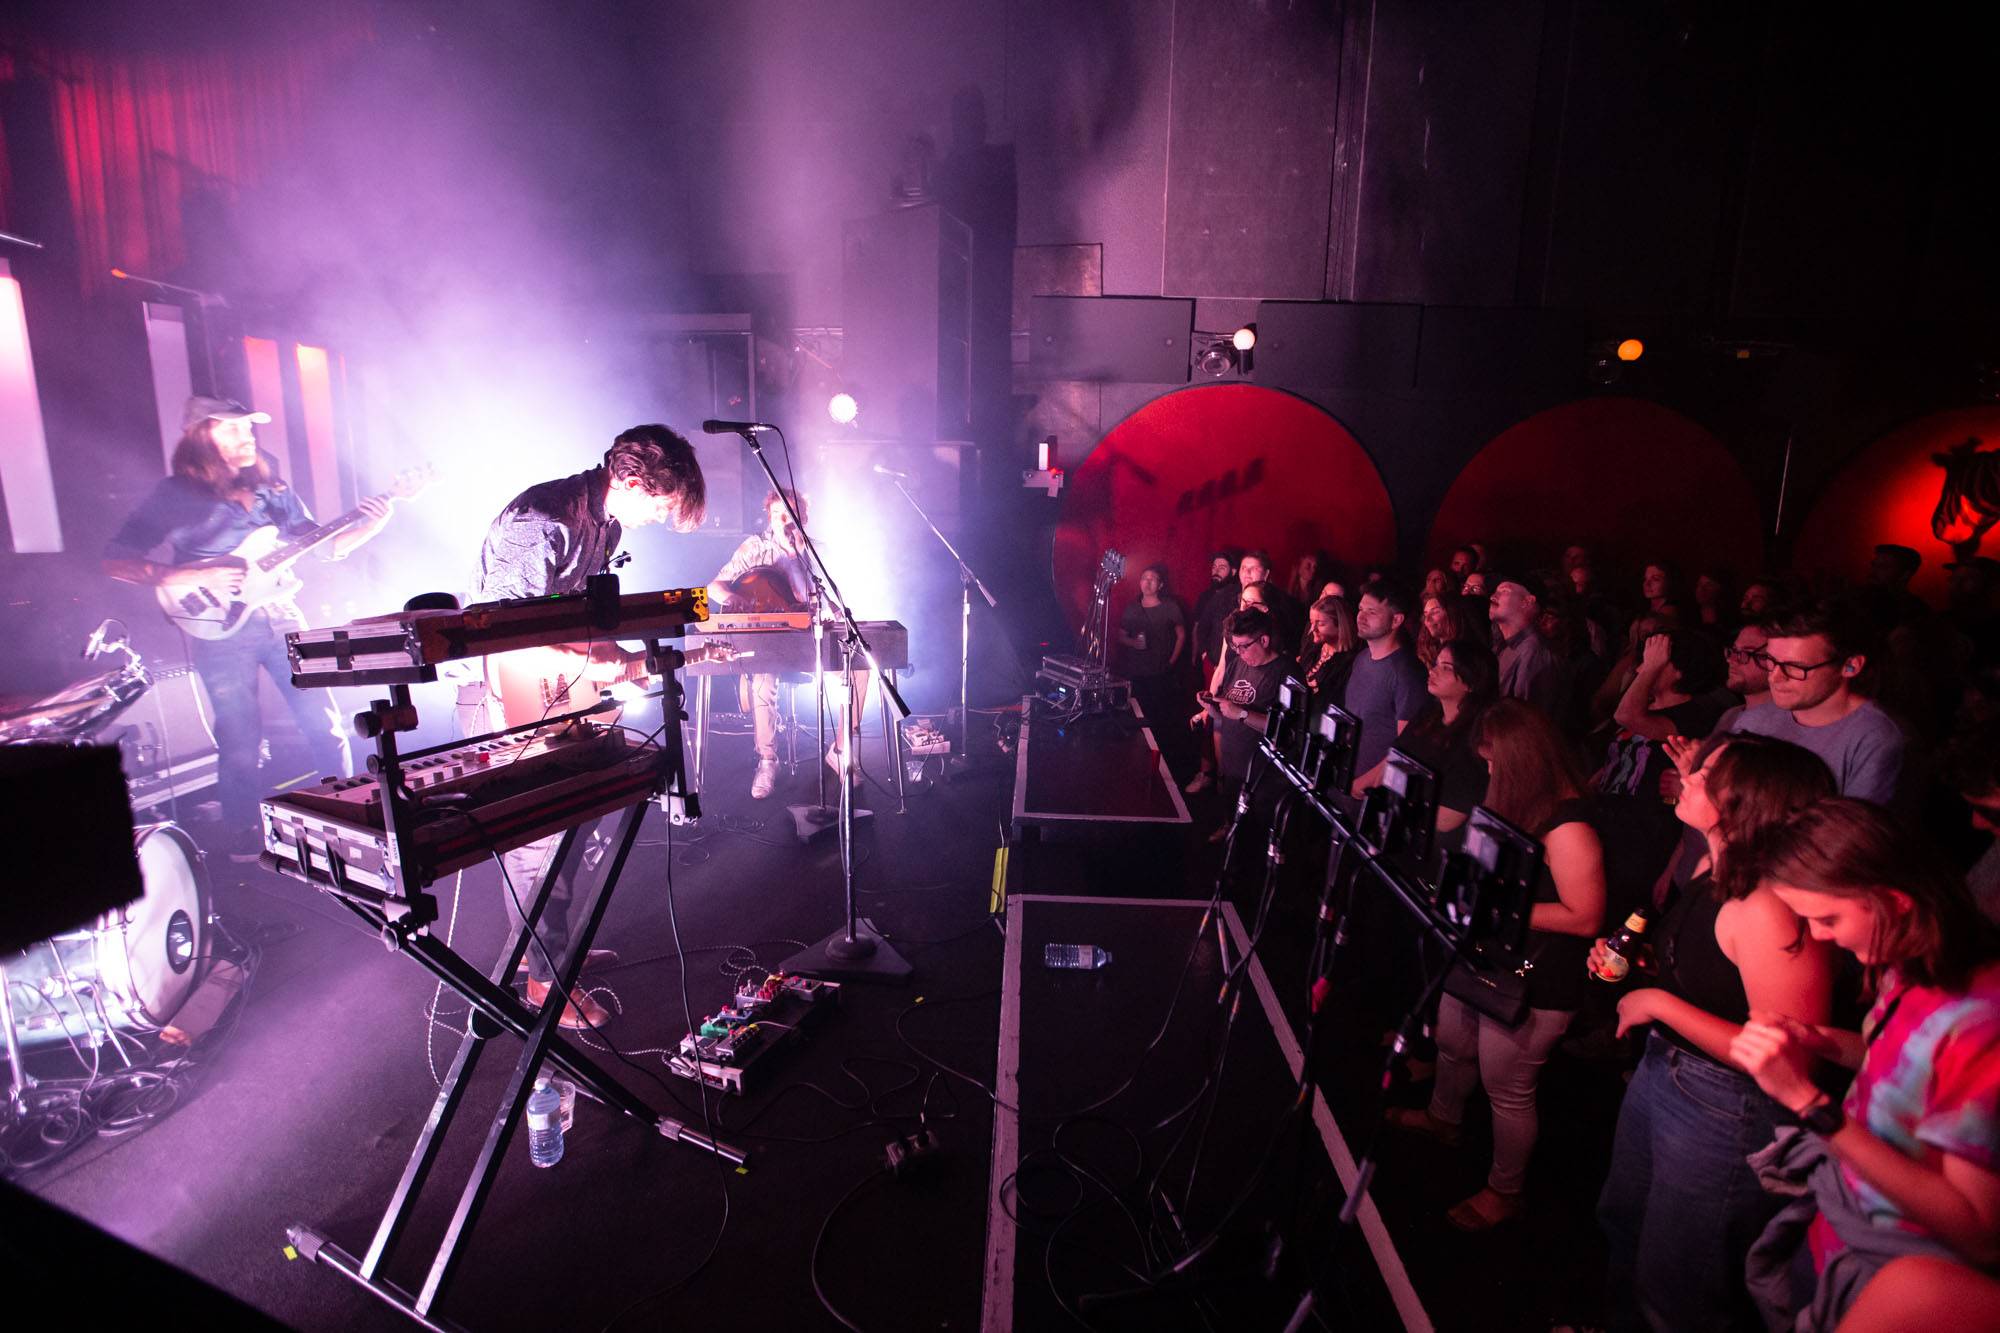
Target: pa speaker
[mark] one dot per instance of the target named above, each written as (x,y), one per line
(1110,339)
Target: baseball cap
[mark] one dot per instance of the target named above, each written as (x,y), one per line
(200,409)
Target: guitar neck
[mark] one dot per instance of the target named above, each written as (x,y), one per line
(320,535)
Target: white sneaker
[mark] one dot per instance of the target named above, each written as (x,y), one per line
(1201,782)
(765,779)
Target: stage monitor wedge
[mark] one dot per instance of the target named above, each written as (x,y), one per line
(1110,339)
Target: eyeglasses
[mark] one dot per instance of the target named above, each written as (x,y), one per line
(1792,670)
(1741,655)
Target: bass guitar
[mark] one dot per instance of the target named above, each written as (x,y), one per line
(264,559)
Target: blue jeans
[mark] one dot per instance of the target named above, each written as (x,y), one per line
(228,670)
(1681,1206)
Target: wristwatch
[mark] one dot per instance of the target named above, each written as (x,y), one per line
(1824,1117)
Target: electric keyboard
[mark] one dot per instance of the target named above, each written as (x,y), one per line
(783,650)
(465,804)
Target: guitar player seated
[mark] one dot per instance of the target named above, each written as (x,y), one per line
(222,490)
(768,573)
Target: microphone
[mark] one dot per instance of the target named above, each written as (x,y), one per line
(94,645)
(713,427)
(891,472)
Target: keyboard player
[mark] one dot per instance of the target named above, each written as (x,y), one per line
(768,573)
(550,539)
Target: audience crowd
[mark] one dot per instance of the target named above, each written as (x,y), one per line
(1795,786)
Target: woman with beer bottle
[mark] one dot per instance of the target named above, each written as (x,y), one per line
(1681,1207)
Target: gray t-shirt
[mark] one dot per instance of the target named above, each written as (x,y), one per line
(1382,692)
(1528,671)
(1864,749)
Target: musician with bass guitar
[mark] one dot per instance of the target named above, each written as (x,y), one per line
(223,496)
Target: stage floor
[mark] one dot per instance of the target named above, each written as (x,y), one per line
(309,1112)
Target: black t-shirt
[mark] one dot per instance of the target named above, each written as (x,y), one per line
(1158,624)
(1692,964)
(1254,688)
(1450,754)
(1210,610)
(1557,981)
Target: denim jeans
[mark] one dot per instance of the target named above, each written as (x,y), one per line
(1681,1206)
(1474,1049)
(228,670)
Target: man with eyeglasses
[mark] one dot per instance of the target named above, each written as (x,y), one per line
(1813,662)
(1240,704)
(1749,673)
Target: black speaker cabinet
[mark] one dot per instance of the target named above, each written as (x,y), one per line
(68,831)
(1329,344)
(1116,339)
(165,739)
(906,279)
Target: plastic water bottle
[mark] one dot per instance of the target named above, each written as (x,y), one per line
(545,1135)
(1084,957)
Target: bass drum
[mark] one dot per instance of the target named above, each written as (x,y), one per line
(132,968)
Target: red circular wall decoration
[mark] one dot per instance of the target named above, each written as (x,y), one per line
(1889,492)
(1219,465)
(1630,479)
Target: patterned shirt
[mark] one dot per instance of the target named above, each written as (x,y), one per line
(1930,1082)
(549,539)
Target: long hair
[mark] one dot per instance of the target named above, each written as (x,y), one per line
(1337,610)
(1847,848)
(1464,618)
(1473,662)
(1756,783)
(196,458)
(1532,768)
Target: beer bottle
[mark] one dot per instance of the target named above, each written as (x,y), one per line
(1621,949)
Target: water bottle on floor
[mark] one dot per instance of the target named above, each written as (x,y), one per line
(545,1135)
(1084,957)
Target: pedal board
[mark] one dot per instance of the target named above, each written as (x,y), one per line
(735,1041)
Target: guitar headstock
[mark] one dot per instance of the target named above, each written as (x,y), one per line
(1113,565)
(411,481)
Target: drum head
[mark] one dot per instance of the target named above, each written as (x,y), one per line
(154,952)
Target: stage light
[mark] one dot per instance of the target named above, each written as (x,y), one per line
(1244,338)
(1218,359)
(842,408)
(1631,350)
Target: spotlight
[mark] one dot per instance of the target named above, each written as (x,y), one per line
(842,408)
(1244,338)
(1218,359)
(1631,350)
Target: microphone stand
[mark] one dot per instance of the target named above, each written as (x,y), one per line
(855,951)
(967,581)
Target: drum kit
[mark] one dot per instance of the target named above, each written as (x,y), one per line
(127,973)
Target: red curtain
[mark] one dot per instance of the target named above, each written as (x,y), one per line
(139,132)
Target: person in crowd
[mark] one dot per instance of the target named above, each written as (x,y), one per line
(1333,588)
(1476,585)
(1971,768)
(1583,579)
(1532,782)
(1253,596)
(1920,1291)
(1527,667)
(1385,686)
(1675,693)
(1328,655)
(1309,572)
(1217,600)
(1660,584)
(1681,1206)
(1239,707)
(1761,598)
(1463,681)
(1264,597)
(1749,676)
(1288,616)
(1579,667)
(1576,556)
(1447,618)
(1714,602)
(1907,1162)
(1972,604)
(1464,560)
(1439,584)
(1891,569)
(1619,677)
(1818,658)
(1153,631)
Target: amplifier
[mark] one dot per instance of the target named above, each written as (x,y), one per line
(165,739)
(1078,684)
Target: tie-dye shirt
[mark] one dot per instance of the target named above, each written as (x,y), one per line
(1930,1082)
